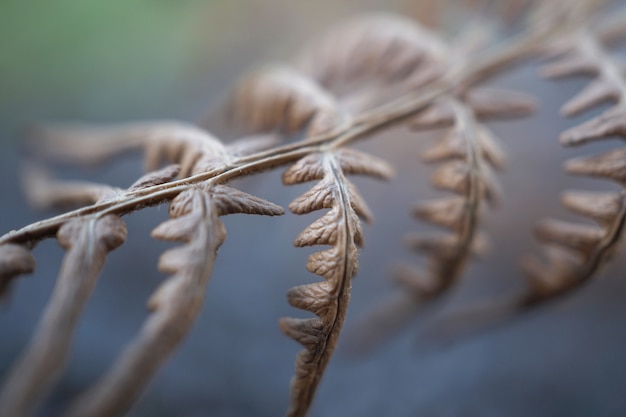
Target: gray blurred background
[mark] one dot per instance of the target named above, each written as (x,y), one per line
(118,61)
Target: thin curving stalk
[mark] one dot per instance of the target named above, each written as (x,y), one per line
(178,301)
(341,229)
(87,242)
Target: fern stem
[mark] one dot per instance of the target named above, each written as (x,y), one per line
(398,110)
(610,71)
(34,374)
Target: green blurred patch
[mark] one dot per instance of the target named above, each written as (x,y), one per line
(56,46)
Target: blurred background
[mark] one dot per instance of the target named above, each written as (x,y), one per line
(119,61)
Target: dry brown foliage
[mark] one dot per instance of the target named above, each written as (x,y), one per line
(365,76)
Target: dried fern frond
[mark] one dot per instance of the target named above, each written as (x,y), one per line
(486,103)
(43,192)
(253,144)
(577,251)
(177,302)
(278,98)
(390,67)
(87,242)
(15,260)
(193,148)
(467,155)
(340,228)
(360,60)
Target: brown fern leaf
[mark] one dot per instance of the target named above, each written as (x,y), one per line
(467,155)
(87,242)
(364,64)
(43,192)
(573,252)
(177,302)
(249,145)
(193,148)
(339,228)
(578,251)
(279,99)
(486,103)
(15,260)
(468,152)
(361,60)
(151,179)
